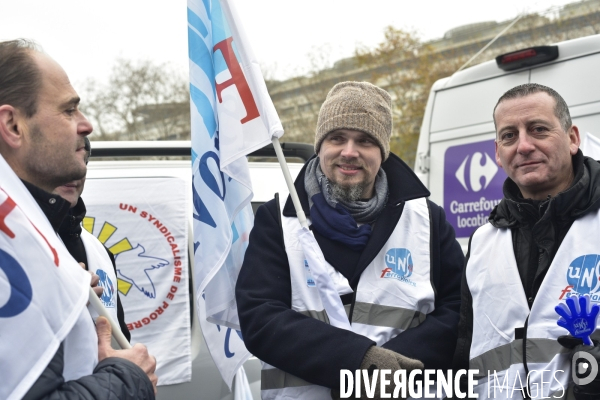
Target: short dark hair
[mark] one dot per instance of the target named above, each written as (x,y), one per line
(561,110)
(20,77)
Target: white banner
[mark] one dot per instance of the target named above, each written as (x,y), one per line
(590,145)
(231,116)
(143,222)
(43,293)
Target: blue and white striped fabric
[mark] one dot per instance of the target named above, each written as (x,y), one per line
(232,115)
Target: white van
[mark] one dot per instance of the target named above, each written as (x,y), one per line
(113,163)
(456,156)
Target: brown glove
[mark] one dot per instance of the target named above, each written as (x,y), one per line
(380,358)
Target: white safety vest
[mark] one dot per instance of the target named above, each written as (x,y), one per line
(500,306)
(404,295)
(99,263)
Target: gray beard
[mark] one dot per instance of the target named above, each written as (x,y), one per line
(50,167)
(346,194)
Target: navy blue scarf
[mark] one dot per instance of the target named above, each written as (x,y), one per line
(336,219)
(337,223)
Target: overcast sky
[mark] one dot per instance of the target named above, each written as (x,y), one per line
(85,37)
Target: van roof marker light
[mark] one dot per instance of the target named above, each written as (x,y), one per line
(527,57)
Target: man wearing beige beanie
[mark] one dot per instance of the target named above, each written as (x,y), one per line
(390,252)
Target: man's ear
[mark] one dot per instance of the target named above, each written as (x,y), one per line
(575,140)
(10,126)
(498,161)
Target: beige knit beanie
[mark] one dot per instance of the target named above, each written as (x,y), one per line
(358,106)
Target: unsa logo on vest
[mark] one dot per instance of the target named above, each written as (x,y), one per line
(583,275)
(399,265)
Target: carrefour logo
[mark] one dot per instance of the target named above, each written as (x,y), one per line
(476,171)
(472,185)
(584,274)
(399,265)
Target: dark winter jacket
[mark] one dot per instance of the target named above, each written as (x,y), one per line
(113,378)
(312,350)
(538,228)
(70,233)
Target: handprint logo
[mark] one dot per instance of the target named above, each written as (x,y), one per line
(578,318)
(580,321)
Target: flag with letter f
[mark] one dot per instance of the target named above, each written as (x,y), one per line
(232,115)
(43,294)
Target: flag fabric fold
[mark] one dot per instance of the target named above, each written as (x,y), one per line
(327,289)
(231,116)
(43,294)
(242,387)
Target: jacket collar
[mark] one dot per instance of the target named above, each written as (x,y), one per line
(71,225)
(54,207)
(403,185)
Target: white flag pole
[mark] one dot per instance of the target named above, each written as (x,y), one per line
(326,288)
(290,182)
(116,329)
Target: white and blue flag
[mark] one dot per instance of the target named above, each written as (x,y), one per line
(232,115)
(43,293)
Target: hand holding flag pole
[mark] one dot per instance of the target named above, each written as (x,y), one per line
(578,318)
(116,329)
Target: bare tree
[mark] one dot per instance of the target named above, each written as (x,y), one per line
(96,105)
(142,100)
(406,68)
